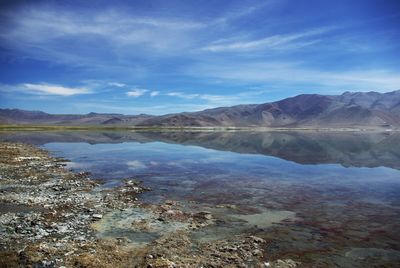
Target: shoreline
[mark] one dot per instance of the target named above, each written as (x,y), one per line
(52,217)
(47,211)
(4,127)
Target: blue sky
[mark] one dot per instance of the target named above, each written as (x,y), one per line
(160,57)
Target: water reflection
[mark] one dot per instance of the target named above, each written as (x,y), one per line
(345,148)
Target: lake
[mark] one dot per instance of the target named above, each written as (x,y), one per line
(327,198)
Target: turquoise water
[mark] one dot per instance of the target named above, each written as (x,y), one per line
(315,196)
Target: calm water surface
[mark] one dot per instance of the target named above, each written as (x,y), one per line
(328,198)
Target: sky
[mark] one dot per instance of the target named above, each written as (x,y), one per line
(159,57)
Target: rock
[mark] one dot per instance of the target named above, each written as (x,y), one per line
(46,263)
(80,238)
(42,232)
(97,216)
(257,252)
(170,203)
(205,215)
(233,248)
(288,263)
(173,213)
(90,210)
(257,239)
(62,229)
(162,263)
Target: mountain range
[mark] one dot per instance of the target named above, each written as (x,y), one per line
(348,110)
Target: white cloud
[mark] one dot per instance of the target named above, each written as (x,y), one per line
(142,108)
(295,74)
(242,11)
(47,33)
(183,95)
(288,41)
(214,100)
(136,92)
(217,98)
(116,84)
(48,89)
(174,94)
(154,93)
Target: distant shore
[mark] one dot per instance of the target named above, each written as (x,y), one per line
(20,127)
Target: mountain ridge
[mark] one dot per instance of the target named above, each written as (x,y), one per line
(350,109)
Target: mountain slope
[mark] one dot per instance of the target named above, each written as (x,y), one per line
(16,116)
(369,109)
(308,110)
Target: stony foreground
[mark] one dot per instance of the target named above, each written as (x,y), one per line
(51,217)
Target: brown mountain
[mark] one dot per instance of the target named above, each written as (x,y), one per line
(308,110)
(370,109)
(17,116)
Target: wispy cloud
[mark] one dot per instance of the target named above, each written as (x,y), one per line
(44,32)
(182,95)
(296,74)
(214,100)
(241,11)
(287,41)
(141,108)
(48,89)
(116,84)
(154,93)
(137,92)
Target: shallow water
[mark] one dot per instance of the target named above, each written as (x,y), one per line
(328,198)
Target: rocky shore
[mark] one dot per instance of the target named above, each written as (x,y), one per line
(52,217)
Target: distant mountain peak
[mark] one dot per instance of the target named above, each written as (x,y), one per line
(350,109)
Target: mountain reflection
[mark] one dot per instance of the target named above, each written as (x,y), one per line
(346,148)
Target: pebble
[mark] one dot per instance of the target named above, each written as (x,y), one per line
(97,216)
